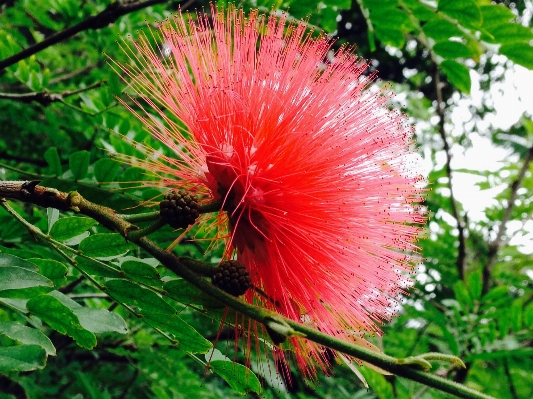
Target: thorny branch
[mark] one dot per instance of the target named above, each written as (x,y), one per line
(461,256)
(101,20)
(496,244)
(47,197)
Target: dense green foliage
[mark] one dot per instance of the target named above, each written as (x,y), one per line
(85,314)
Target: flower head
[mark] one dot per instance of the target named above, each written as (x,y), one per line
(312,165)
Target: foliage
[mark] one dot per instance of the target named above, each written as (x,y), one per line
(61,331)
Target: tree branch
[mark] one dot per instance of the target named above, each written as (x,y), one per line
(72,74)
(31,192)
(33,161)
(512,388)
(496,244)
(461,256)
(45,98)
(113,12)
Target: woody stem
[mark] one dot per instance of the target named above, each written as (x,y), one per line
(33,193)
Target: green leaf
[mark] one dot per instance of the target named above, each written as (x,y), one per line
(440,30)
(132,177)
(421,11)
(239,377)
(158,314)
(115,86)
(462,296)
(71,226)
(188,338)
(515,314)
(79,164)
(391,18)
(341,4)
(98,268)
(17,304)
(52,157)
(65,300)
(452,50)
(141,272)
(62,319)
(182,291)
(467,12)
(503,324)
(328,20)
(528,316)
(510,33)
(106,245)
(394,38)
(495,293)
(53,215)
(22,358)
(475,285)
(130,293)
(375,5)
(495,15)
(12,260)
(377,382)
(457,74)
(521,352)
(28,336)
(105,170)
(520,53)
(16,282)
(94,320)
(100,320)
(52,269)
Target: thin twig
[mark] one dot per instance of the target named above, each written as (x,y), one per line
(46,97)
(419,394)
(36,162)
(90,296)
(496,244)
(101,20)
(130,384)
(461,256)
(70,287)
(512,388)
(370,26)
(72,74)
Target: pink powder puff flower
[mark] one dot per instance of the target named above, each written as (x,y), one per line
(317,170)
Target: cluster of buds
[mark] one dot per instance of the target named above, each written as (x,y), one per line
(179,209)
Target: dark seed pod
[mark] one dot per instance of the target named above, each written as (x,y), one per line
(232,277)
(179,209)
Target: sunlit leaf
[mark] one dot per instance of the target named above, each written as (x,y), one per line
(467,12)
(521,53)
(458,74)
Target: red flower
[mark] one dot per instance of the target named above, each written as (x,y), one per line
(307,154)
